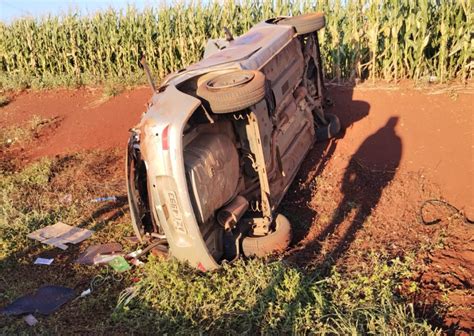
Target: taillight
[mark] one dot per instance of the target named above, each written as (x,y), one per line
(164,139)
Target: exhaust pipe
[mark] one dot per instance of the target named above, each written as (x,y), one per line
(232,213)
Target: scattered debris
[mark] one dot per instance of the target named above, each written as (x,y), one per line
(119,264)
(86,292)
(30,320)
(105,199)
(160,251)
(97,254)
(132,239)
(44,261)
(127,295)
(104,259)
(45,301)
(135,254)
(66,199)
(100,279)
(136,262)
(59,234)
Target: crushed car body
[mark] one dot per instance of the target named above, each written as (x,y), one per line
(222,140)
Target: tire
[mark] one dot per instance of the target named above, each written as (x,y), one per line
(276,241)
(233,91)
(306,23)
(329,131)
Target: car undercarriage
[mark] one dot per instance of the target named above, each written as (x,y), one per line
(222,140)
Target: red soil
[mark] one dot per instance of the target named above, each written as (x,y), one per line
(361,191)
(88,121)
(436,130)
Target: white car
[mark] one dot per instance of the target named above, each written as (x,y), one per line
(222,140)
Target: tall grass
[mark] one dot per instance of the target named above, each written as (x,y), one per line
(379,39)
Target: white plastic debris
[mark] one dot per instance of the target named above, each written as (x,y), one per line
(30,320)
(104,258)
(86,292)
(104,199)
(59,234)
(134,254)
(44,261)
(66,199)
(136,262)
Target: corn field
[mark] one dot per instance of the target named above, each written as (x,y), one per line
(368,39)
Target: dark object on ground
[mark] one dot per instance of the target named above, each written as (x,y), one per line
(87,257)
(45,300)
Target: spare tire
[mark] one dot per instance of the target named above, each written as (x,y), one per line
(233,91)
(306,23)
(276,241)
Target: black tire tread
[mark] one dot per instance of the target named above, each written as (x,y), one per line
(306,23)
(236,98)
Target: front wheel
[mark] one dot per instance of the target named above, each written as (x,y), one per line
(306,23)
(276,241)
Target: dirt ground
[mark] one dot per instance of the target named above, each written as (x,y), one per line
(364,190)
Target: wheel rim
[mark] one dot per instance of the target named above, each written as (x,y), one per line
(229,80)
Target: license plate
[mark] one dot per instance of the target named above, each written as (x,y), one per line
(176,217)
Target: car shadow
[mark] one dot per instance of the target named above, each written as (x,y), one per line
(296,203)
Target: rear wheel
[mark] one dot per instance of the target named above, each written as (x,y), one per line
(233,91)
(330,130)
(276,241)
(306,23)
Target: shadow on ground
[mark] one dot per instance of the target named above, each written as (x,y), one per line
(361,186)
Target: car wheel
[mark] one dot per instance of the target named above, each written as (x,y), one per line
(276,241)
(306,23)
(233,91)
(330,130)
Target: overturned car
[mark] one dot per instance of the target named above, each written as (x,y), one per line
(222,140)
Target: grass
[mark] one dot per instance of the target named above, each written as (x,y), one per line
(255,297)
(41,194)
(249,297)
(112,90)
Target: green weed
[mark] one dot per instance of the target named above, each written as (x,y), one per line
(255,297)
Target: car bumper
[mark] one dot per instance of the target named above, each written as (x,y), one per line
(160,139)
